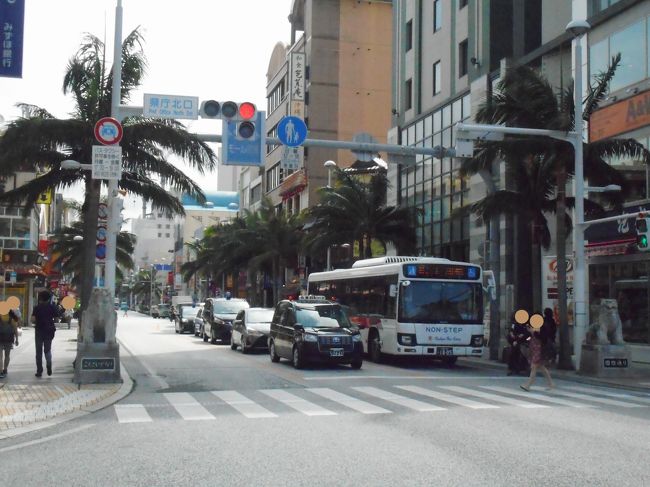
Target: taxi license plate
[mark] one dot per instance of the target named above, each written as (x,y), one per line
(444,351)
(336,352)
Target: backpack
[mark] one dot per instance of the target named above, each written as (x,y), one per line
(7,332)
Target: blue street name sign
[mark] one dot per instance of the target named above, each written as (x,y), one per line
(292,131)
(236,151)
(12,20)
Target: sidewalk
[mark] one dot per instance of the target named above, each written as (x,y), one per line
(640,382)
(28,403)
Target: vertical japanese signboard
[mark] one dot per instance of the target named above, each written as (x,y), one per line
(297,87)
(12,20)
(550,286)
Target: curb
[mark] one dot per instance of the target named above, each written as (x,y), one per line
(560,374)
(124,390)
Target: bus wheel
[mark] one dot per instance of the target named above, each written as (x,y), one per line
(374,347)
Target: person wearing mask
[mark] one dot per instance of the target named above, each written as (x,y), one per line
(43,317)
(517,337)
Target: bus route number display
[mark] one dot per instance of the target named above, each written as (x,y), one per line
(441,271)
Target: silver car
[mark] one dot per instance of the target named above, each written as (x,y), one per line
(251,329)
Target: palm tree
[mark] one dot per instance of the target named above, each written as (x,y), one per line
(41,140)
(265,240)
(354,211)
(537,169)
(67,246)
(145,283)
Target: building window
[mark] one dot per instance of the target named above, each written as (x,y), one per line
(166,235)
(159,235)
(437,15)
(462,4)
(409,35)
(437,78)
(167,226)
(159,225)
(462,58)
(409,94)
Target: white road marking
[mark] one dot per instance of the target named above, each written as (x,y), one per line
(241,403)
(602,400)
(409,377)
(632,397)
(132,413)
(493,397)
(541,397)
(297,403)
(348,401)
(397,399)
(47,438)
(188,407)
(449,398)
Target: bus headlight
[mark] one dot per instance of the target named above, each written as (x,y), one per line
(477,341)
(406,339)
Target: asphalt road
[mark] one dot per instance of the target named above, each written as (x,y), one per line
(201,414)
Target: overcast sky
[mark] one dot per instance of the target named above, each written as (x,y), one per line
(216,49)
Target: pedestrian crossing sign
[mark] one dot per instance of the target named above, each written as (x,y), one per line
(45,198)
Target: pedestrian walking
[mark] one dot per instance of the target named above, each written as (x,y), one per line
(537,360)
(43,317)
(548,332)
(8,337)
(125,308)
(517,338)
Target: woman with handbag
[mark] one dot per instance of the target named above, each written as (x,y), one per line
(8,337)
(537,359)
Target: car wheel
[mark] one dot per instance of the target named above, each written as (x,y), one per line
(298,361)
(356,364)
(244,350)
(374,348)
(233,345)
(213,339)
(274,356)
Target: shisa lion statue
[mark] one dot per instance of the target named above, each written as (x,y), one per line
(606,327)
(99,320)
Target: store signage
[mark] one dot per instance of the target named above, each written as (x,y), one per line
(615,363)
(97,364)
(620,117)
(12,25)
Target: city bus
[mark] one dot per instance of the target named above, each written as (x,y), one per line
(410,306)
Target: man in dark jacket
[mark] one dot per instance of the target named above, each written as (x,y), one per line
(517,337)
(43,317)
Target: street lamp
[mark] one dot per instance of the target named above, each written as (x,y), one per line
(329,165)
(72,164)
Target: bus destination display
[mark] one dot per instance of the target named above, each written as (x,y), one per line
(441,271)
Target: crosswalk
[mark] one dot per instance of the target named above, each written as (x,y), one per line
(367,400)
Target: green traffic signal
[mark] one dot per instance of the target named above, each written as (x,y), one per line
(642,241)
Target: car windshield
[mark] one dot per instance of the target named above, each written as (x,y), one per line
(260,316)
(163,307)
(324,316)
(441,302)
(229,307)
(188,311)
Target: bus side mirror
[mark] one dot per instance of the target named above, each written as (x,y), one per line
(491,287)
(392,290)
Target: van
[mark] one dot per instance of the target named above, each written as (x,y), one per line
(218,315)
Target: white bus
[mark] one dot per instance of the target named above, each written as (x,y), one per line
(410,306)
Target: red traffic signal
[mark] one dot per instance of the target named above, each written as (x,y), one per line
(247,110)
(228,110)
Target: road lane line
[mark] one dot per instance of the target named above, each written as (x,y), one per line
(241,403)
(541,397)
(449,398)
(188,407)
(494,397)
(297,403)
(348,401)
(397,399)
(602,400)
(47,438)
(410,377)
(132,413)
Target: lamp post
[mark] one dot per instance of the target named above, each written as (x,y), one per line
(329,165)
(578,28)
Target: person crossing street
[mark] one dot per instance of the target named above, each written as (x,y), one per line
(43,317)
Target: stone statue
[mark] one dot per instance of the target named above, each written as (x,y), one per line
(606,324)
(100,319)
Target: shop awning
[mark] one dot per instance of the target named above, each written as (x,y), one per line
(293,184)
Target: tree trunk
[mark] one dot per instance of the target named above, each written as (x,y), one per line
(536,274)
(523,260)
(560,245)
(91,208)
(275,271)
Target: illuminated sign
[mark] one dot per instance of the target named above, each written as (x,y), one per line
(442,271)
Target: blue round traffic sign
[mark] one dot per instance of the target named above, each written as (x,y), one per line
(100,251)
(292,131)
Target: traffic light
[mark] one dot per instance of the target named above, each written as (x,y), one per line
(642,232)
(244,114)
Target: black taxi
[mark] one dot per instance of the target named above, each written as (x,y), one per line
(313,329)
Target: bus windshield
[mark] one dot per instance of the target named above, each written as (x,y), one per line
(441,302)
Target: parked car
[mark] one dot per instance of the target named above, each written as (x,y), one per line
(218,315)
(160,311)
(314,330)
(251,329)
(185,315)
(198,323)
